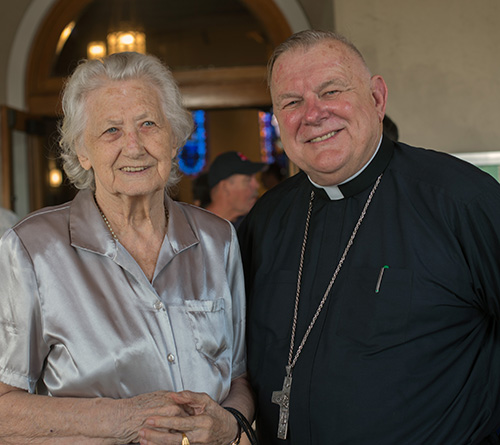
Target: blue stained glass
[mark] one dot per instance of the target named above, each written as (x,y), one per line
(271,148)
(192,157)
(267,137)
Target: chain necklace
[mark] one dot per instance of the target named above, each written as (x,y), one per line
(282,398)
(106,221)
(113,234)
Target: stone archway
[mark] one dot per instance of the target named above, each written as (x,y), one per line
(235,87)
(31,88)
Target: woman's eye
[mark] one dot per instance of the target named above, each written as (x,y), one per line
(111,130)
(149,124)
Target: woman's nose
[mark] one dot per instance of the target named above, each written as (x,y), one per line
(133,141)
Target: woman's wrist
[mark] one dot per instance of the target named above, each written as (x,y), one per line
(244,425)
(237,415)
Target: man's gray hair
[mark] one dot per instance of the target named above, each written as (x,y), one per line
(93,74)
(304,40)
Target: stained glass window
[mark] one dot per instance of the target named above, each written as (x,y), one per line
(193,156)
(267,137)
(271,149)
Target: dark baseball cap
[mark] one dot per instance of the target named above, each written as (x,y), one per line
(231,163)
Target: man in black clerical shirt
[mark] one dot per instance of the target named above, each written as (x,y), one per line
(373,275)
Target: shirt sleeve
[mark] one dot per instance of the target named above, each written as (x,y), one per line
(21,340)
(235,279)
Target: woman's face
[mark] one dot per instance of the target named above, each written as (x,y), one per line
(127,140)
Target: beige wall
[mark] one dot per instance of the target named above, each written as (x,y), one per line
(11,13)
(441,62)
(319,13)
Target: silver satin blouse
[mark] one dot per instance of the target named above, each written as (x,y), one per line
(79,318)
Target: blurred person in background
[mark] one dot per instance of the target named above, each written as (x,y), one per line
(201,191)
(233,184)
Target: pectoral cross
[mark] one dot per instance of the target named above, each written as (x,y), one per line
(282,398)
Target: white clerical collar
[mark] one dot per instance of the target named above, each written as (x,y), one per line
(333,191)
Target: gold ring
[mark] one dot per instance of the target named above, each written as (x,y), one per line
(185,440)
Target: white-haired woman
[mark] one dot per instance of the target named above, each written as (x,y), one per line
(122,311)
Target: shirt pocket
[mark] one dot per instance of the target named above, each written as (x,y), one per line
(208,325)
(376,319)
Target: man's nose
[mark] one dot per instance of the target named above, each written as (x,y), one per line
(314,111)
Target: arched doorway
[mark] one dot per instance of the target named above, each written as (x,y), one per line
(217,87)
(204,85)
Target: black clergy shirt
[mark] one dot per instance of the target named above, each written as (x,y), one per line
(417,362)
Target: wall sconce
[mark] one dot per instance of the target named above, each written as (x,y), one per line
(66,32)
(125,34)
(96,50)
(55,177)
(120,41)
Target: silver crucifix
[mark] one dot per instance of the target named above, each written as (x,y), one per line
(282,398)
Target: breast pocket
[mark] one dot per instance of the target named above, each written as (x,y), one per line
(376,319)
(208,326)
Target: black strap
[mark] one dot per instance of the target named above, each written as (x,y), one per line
(244,424)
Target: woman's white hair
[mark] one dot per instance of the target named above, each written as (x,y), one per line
(93,74)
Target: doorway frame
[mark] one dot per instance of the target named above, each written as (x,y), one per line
(211,88)
(35,92)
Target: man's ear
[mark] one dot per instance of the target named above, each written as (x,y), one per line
(379,94)
(226,185)
(223,184)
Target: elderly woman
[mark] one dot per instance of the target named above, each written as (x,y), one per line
(122,312)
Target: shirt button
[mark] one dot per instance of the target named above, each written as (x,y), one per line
(158,305)
(171,358)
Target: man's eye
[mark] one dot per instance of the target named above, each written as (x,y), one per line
(331,92)
(290,103)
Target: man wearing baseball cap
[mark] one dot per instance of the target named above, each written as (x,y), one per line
(233,185)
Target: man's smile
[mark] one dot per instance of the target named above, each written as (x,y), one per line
(324,137)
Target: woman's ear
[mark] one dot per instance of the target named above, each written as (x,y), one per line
(84,160)
(175,151)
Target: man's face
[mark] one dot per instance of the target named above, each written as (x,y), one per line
(243,191)
(329,110)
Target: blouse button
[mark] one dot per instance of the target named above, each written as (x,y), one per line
(171,358)
(158,305)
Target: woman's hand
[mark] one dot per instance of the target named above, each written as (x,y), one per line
(137,410)
(208,423)
(36,419)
